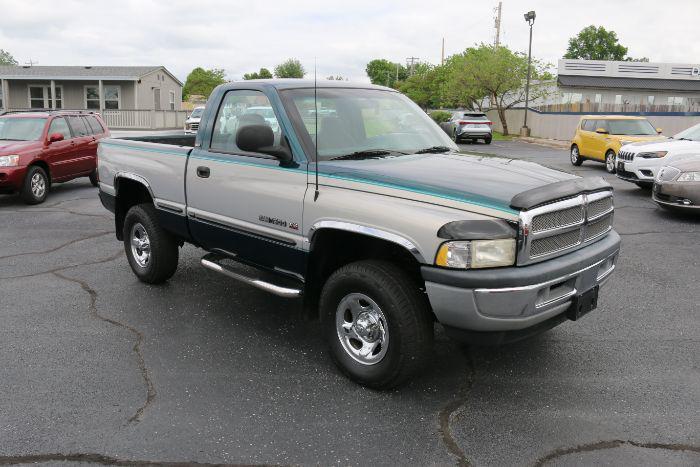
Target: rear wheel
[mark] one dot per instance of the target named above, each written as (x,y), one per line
(152,252)
(377,323)
(455,137)
(576,158)
(487,141)
(35,188)
(610,161)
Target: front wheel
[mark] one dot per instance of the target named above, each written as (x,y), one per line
(377,323)
(610,161)
(152,252)
(35,188)
(576,158)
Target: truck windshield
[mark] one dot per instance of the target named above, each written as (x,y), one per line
(631,127)
(21,129)
(362,122)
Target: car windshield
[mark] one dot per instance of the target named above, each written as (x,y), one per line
(692,133)
(631,127)
(21,128)
(196,113)
(356,123)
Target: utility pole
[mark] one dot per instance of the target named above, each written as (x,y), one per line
(442,54)
(530,18)
(411,63)
(497,42)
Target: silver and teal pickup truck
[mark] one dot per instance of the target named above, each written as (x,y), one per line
(357,203)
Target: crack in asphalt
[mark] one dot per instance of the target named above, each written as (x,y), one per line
(92,307)
(102,459)
(51,250)
(70,266)
(611,444)
(452,409)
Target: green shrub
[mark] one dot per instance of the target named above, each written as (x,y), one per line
(440,116)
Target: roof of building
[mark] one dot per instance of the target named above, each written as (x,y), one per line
(79,72)
(629,83)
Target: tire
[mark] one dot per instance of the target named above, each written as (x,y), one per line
(93,178)
(487,141)
(576,158)
(395,312)
(35,187)
(610,162)
(455,138)
(158,262)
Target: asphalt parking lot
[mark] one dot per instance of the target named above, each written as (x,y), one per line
(98,368)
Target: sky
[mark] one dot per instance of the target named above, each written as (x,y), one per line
(340,37)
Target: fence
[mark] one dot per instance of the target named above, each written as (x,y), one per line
(125,119)
(594,108)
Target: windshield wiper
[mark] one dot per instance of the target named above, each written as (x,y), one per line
(434,150)
(367,154)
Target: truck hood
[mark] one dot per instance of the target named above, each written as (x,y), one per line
(664,145)
(13,147)
(482,180)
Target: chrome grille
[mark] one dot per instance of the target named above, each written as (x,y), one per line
(562,226)
(557,219)
(547,245)
(625,156)
(194,126)
(666,174)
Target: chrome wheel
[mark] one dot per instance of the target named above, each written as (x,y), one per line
(574,154)
(38,185)
(362,328)
(610,162)
(140,245)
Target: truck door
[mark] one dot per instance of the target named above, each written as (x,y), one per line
(246,204)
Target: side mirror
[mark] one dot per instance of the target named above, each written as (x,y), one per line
(601,131)
(260,138)
(54,137)
(659,130)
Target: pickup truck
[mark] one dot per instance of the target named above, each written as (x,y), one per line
(369,214)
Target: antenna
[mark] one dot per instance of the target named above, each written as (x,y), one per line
(316,130)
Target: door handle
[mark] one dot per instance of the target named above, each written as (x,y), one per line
(203,172)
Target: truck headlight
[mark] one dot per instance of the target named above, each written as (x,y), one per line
(475,254)
(652,155)
(9,161)
(689,177)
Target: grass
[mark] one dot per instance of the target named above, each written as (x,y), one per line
(501,137)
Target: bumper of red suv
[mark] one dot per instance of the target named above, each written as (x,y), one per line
(11,178)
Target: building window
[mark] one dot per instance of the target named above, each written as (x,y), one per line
(112,97)
(618,99)
(571,97)
(675,100)
(40,97)
(598,98)
(172,100)
(650,100)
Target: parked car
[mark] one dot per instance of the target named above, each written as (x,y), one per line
(40,148)
(193,119)
(268,114)
(400,231)
(600,137)
(639,162)
(468,126)
(677,185)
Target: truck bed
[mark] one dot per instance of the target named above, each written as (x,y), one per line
(176,140)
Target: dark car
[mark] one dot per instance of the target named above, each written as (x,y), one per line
(469,126)
(677,185)
(39,148)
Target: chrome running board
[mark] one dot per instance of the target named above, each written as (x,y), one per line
(211,261)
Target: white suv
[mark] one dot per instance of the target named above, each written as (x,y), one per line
(639,162)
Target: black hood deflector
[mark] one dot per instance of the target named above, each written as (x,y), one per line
(559,190)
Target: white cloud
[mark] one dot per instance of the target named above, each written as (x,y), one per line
(242,36)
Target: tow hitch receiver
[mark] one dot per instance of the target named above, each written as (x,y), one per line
(582,304)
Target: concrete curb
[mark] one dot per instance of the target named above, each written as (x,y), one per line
(550,143)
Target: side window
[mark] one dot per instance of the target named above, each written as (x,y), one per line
(95,125)
(601,124)
(78,126)
(239,109)
(588,125)
(59,125)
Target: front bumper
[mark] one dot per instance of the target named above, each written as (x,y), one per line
(518,298)
(677,194)
(12,178)
(638,171)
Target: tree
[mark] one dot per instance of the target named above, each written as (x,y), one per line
(425,86)
(6,58)
(202,82)
(264,73)
(595,44)
(383,72)
(498,74)
(291,68)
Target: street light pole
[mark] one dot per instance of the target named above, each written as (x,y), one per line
(530,18)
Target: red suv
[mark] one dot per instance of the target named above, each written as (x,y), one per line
(41,148)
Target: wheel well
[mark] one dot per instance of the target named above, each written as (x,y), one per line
(44,166)
(129,193)
(327,256)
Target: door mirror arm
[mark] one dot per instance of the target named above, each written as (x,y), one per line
(602,131)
